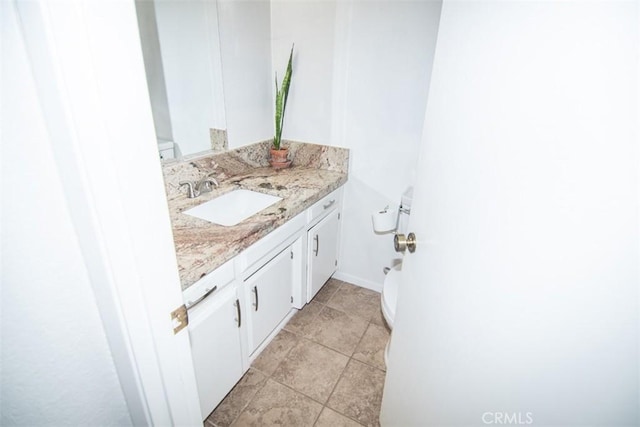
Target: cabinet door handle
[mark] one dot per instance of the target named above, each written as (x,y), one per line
(255,291)
(317,240)
(239,319)
(328,205)
(191,304)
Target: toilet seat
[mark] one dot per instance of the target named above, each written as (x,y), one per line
(389,295)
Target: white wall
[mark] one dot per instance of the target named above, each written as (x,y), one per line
(390,52)
(146,13)
(245,34)
(360,81)
(311,26)
(57,368)
(189,45)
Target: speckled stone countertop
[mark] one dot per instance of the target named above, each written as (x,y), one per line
(202,246)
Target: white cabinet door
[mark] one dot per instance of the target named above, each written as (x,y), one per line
(322,252)
(214,330)
(269,291)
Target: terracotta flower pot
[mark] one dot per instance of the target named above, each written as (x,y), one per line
(279,159)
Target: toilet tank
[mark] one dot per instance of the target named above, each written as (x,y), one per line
(405,210)
(166,149)
(407,198)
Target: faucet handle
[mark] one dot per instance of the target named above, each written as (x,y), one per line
(204,185)
(192,191)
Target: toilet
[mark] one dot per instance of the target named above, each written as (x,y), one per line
(168,149)
(389,295)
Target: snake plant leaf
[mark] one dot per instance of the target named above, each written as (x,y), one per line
(286,82)
(282,93)
(278,117)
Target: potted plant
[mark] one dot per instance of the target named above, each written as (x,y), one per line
(278,152)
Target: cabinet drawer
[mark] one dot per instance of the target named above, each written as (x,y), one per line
(218,279)
(325,205)
(251,258)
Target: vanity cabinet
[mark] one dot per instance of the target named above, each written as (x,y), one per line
(268,292)
(236,309)
(322,242)
(323,252)
(215,327)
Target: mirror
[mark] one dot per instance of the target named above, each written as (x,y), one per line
(182,55)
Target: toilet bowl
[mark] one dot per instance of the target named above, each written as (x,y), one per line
(389,300)
(389,296)
(383,222)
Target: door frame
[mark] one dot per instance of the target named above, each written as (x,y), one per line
(87,63)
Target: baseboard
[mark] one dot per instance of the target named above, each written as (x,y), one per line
(358,281)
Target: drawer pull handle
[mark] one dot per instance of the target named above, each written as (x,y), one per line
(328,205)
(239,319)
(317,239)
(255,291)
(191,304)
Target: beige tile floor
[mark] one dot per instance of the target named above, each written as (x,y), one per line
(325,368)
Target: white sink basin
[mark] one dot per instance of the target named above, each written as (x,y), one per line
(232,208)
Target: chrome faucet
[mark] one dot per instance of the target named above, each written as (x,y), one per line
(191,190)
(202,186)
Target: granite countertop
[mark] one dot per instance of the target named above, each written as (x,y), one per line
(202,246)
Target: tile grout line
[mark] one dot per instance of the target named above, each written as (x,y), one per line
(327,347)
(300,338)
(345,367)
(245,406)
(361,338)
(334,389)
(301,393)
(321,345)
(324,405)
(270,377)
(364,362)
(283,358)
(369,322)
(343,311)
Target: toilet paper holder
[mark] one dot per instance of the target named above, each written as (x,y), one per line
(385,220)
